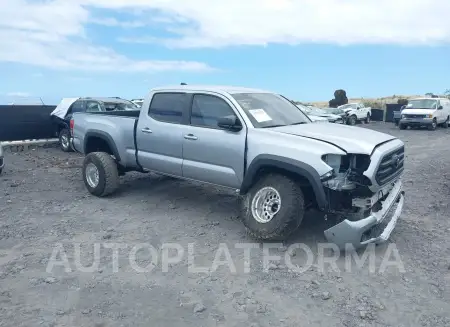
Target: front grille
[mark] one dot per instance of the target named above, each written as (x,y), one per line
(391,165)
(415,116)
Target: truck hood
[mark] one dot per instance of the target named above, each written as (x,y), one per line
(418,111)
(351,139)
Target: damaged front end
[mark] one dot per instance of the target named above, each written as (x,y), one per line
(367,212)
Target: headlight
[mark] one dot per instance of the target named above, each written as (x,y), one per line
(333,160)
(430,116)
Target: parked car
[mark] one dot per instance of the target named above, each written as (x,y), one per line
(426,112)
(338,112)
(259,144)
(332,118)
(313,118)
(63,113)
(356,112)
(2,159)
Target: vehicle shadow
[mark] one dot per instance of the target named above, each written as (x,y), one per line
(215,205)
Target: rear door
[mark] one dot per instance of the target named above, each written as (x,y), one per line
(159,133)
(212,154)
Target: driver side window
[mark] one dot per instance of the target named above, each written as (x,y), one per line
(207,109)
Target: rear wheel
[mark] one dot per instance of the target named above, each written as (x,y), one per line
(402,126)
(64,140)
(100,174)
(368,119)
(445,124)
(273,208)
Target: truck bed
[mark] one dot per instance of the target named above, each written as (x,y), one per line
(120,127)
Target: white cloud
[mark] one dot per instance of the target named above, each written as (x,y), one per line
(52,34)
(18,94)
(260,22)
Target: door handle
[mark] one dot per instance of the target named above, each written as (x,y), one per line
(146,130)
(190,137)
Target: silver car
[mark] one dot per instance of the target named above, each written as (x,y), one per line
(2,159)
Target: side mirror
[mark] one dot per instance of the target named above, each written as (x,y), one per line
(230,123)
(440,107)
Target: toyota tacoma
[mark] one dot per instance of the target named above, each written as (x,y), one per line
(257,143)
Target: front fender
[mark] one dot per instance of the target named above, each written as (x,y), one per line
(290,165)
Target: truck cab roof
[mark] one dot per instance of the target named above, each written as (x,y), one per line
(209,88)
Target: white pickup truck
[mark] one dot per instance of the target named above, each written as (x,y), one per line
(356,112)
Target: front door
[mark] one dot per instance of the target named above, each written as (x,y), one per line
(212,154)
(159,133)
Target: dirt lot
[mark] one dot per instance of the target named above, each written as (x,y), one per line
(43,202)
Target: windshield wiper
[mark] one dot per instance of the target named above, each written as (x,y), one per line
(299,123)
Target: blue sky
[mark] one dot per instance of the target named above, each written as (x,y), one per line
(57,48)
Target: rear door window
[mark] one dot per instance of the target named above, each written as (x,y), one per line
(169,107)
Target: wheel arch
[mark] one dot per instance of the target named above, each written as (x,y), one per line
(300,171)
(100,141)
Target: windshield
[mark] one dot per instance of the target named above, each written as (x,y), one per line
(422,104)
(270,110)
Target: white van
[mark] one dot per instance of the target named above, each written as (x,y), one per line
(426,112)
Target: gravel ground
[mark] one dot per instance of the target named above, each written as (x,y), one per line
(43,202)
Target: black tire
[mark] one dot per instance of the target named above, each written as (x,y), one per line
(64,140)
(402,126)
(352,120)
(368,119)
(445,124)
(108,175)
(433,125)
(286,220)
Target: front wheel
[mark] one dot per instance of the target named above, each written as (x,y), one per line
(273,208)
(433,125)
(100,174)
(351,120)
(64,140)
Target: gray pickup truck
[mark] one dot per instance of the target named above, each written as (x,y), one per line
(259,144)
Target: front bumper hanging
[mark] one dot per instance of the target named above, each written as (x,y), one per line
(376,228)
